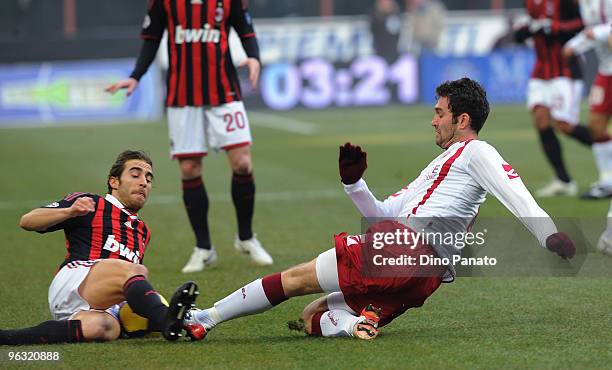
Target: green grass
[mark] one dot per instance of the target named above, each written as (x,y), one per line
(495,322)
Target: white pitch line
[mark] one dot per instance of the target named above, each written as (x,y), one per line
(223,198)
(283,123)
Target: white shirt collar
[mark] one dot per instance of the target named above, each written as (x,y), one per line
(120,205)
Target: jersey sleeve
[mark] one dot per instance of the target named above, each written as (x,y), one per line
(155,21)
(241,20)
(67,202)
(498,178)
(368,205)
(602,32)
(580,44)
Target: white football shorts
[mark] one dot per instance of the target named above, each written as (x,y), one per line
(193,130)
(560,95)
(64,298)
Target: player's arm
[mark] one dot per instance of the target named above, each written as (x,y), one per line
(599,33)
(242,22)
(491,172)
(577,45)
(41,219)
(152,32)
(352,163)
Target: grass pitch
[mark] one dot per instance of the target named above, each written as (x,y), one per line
(499,322)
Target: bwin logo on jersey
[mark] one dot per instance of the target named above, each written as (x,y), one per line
(114,246)
(188,35)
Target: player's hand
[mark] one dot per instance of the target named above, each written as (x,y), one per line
(561,244)
(130,84)
(588,32)
(254,68)
(352,163)
(82,206)
(567,52)
(541,24)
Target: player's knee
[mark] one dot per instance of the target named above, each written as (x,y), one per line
(598,128)
(100,328)
(307,318)
(541,119)
(242,165)
(190,168)
(565,127)
(138,270)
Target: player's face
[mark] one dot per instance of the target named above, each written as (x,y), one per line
(443,123)
(133,187)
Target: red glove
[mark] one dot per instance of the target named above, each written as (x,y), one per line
(561,244)
(352,163)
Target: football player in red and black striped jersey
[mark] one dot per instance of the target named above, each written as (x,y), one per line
(204,106)
(554,91)
(106,242)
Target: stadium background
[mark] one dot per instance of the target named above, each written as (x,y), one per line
(322,84)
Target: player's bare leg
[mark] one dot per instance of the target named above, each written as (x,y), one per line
(602,151)
(260,295)
(113,281)
(562,184)
(243,196)
(98,326)
(195,199)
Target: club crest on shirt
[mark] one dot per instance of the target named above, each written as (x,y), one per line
(219,14)
(434,173)
(510,172)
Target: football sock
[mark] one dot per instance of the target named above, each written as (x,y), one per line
(243,195)
(333,323)
(602,151)
(64,331)
(552,149)
(145,301)
(257,296)
(195,199)
(582,134)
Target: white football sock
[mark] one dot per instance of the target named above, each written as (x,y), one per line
(248,300)
(603,158)
(338,323)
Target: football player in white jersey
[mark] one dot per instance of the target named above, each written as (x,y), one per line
(453,184)
(597,18)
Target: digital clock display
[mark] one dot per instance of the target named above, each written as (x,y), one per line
(317,83)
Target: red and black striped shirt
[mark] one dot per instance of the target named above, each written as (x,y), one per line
(201,70)
(565,23)
(110,231)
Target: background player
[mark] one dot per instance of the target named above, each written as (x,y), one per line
(451,188)
(555,88)
(597,17)
(205,108)
(106,242)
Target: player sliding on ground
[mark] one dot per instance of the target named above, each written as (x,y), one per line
(451,187)
(106,242)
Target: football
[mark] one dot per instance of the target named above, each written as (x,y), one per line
(132,324)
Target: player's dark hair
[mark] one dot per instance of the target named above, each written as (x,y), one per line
(466,96)
(119,165)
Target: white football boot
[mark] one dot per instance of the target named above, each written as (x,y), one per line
(558,188)
(200,259)
(255,250)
